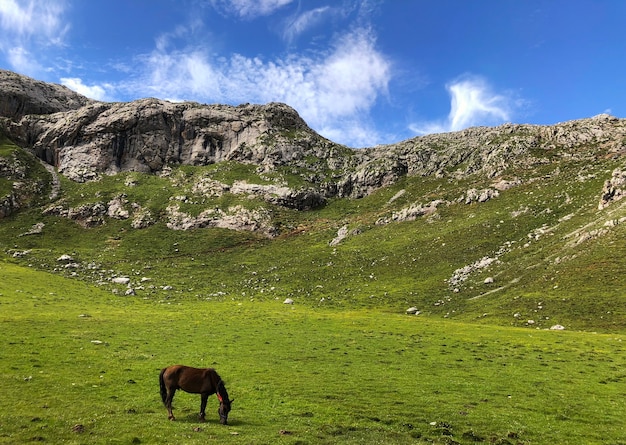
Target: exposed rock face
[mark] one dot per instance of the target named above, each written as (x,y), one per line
(485,195)
(7,202)
(8,205)
(284,196)
(88,215)
(148,134)
(614,189)
(117,208)
(490,151)
(21,95)
(234,218)
(26,178)
(412,212)
(85,139)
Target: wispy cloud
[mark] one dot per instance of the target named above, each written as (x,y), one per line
(301,22)
(97,92)
(249,9)
(29,26)
(472,102)
(332,90)
(22,60)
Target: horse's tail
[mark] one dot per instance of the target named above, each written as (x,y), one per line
(162,385)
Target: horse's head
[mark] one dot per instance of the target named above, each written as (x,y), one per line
(225,402)
(223,410)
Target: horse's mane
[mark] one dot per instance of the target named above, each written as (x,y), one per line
(221,388)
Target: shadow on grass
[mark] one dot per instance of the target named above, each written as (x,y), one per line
(192,418)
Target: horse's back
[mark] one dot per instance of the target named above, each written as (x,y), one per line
(174,369)
(171,374)
(188,378)
(178,368)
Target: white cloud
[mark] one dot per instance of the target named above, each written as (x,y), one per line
(350,79)
(33,19)
(29,25)
(356,132)
(96,92)
(249,9)
(22,60)
(333,91)
(472,102)
(298,24)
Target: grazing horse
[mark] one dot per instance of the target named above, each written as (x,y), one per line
(203,381)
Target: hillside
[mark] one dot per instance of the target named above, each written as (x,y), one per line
(516,225)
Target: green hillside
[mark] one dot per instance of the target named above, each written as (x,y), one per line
(100,288)
(538,250)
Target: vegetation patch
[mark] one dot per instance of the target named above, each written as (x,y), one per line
(514,279)
(81,363)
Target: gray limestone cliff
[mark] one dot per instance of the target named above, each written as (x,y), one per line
(149,134)
(21,96)
(84,139)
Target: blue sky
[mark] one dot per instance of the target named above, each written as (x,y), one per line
(360,72)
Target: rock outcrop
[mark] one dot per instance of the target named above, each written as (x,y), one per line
(148,134)
(234,218)
(22,181)
(21,96)
(85,139)
(614,189)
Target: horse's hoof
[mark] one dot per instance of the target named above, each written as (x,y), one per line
(172,418)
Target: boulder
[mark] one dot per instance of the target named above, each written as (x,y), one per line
(614,189)
(342,233)
(115,208)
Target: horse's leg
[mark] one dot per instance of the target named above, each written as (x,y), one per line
(168,403)
(203,399)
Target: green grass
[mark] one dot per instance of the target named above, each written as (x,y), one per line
(6,187)
(391,266)
(323,376)
(344,364)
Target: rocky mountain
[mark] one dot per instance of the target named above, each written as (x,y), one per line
(84,139)
(21,96)
(523,221)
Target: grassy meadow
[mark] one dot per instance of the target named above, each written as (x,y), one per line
(345,364)
(75,355)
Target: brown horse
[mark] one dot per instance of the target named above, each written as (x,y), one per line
(203,381)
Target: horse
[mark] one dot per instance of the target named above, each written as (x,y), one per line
(203,381)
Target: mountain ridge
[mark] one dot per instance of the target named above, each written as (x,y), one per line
(21,95)
(93,138)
